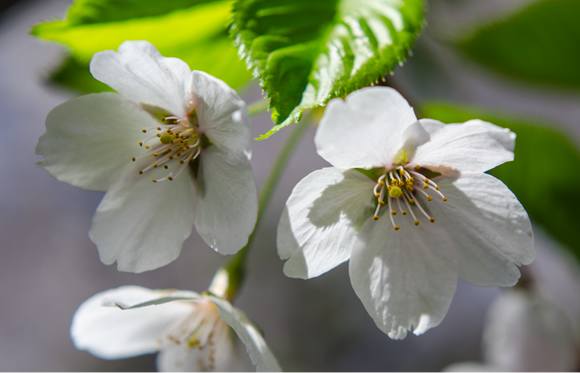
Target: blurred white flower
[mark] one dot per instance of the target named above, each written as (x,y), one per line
(525,332)
(408,203)
(192,332)
(186,131)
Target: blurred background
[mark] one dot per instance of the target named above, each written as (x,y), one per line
(48,265)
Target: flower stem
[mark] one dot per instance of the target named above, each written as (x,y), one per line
(258,107)
(229,278)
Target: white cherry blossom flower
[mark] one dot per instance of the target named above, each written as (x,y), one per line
(408,203)
(172,150)
(191,331)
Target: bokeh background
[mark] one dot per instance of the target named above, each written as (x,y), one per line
(48,265)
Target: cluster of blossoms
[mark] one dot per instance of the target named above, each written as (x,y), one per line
(172,150)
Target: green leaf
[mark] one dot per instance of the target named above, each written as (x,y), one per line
(539,44)
(194,31)
(306,52)
(545,174)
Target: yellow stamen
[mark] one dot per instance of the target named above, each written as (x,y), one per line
(432,220)
(375,217)
(416,223)
(396,227)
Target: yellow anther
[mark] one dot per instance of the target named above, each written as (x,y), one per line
(417,167)
(395,192)
(181,161)
(426,180)
(377,195)
(375,217)
(166,139)
(410,188)
(444,199)
(432,220)
(170,157)
(140,143)
(410,180)
(158,135)
(140,172)
(155,154)
(429,198)
(381,183)
(144,131)
(404,212)
(133,159)
(146,146)
(382,203)
(393,212)
(401,172)
(396,227)
(411,201)
(437,188)
(389,187)
(395,182)
(154,180)
(154,165)
(416,223)
(425,186)
(165,166)
(169,178)
(158,128)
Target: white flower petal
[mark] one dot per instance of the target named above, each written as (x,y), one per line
(257,348)
(88,139)
(524,333)
(406,278)
(182,358)
(139,72)
(365,131)
(322,216)
(228,206)
(414,136)
(141,224)
(473,146)
(223,117)
(490,228)
(111,333)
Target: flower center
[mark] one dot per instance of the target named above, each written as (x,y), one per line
(402,186)
(174,144)
(202,329)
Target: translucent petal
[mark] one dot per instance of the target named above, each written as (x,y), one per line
(322,217)
(228,206)
(223,117)
(256,346)
(90,140)
(140,73)
(141,224)
(108,332)
(473,146)
(490,228)
(365,130)
(406,278)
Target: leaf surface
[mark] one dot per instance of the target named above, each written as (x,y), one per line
(306,52)
(193,30)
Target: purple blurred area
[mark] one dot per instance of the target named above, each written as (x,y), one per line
(48,265)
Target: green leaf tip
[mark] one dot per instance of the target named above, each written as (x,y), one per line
(305,52)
